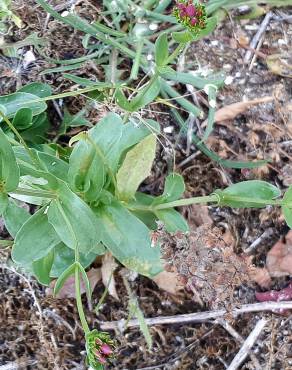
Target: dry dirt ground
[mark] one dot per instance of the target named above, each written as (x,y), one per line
(39,332)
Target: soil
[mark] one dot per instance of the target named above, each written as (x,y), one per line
(40,332)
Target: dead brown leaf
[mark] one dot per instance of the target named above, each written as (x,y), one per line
(168,281)
(107,272)
(279,258)
(68,290)
(197,215)
(229,112)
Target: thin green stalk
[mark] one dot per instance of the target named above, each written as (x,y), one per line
(77,274)
(175,53)
(186,202)
(75,93)
(136,64)
(79,300)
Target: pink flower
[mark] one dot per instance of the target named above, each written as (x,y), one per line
(190,10)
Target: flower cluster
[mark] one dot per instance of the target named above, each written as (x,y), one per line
(192,16)
(100,348)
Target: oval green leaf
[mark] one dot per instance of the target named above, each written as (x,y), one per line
(136,168)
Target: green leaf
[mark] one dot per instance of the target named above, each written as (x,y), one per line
(147,217)
(212,95)
(134,132)
(172,220)
(183,102)
(74,221)
(136,167)
(15,217)
(287,207)
(134,310)
(122,101)
(187,36)
(63,277)
(87,173)
(42,267)
(64,257)
(13,102)
(248,191)
(146,95)
(75,120)
(128,239)
(199,82)
(9,171)
(23,119)
(161,50)
(85,280)
(37,88)
(3,203)
(34,240)
(173,189)
(106,135)
(36,134)
(66,68)
(53,165)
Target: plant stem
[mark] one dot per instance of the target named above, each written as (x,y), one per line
(136,64)
(186,202)
(213,198)
(77,274)
(175,53)
(79,300)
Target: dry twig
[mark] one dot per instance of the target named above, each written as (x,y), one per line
(258,36)
(199,317)
(247,345)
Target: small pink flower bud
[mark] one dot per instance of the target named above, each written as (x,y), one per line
(183,13)
(194,21)
(190,10)
(106,349)
(181,6)
(99,357)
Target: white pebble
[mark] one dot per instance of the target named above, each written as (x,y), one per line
(28,58)
(153,26)
(228,80)
(168,130)
(65,13)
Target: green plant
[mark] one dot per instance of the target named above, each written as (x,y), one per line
(92,204)
(88,195)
